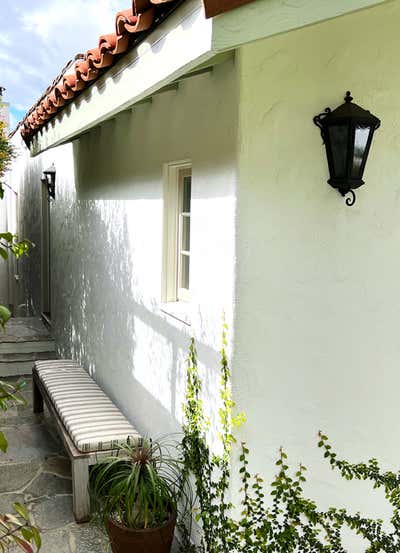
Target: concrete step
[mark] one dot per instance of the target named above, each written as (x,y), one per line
(22,368)
(26,347)
(26,340)
(30,356)
(15,364)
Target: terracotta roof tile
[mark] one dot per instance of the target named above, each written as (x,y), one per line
(142,16)
(85,71)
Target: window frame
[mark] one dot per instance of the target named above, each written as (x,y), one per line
(172,230)
(182,294)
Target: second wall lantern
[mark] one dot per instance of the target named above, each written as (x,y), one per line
(49,180)
(347,133)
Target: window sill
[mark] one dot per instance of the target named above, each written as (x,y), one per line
(179,310)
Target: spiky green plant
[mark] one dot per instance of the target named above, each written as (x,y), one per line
(140,486)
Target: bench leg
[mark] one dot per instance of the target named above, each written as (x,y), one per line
(37,398)
(80,489)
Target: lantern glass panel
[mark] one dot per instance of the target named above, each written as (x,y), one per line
(360,144)
(339,139)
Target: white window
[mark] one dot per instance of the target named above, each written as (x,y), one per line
(177,213)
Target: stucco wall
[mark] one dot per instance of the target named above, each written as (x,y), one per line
(24,209)
(318,312)
(107,244)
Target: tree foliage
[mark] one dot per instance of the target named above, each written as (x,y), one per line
(7,154)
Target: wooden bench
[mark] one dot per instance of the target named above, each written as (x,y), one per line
(90,425)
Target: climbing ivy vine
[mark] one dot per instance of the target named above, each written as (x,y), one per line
(271,519)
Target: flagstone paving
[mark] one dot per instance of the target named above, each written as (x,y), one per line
(36,471)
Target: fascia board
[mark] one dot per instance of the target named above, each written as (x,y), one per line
(264,18)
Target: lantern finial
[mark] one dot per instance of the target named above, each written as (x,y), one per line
(348,98)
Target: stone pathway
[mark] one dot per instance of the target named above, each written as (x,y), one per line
(36,471)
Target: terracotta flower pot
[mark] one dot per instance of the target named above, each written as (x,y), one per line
(149,540)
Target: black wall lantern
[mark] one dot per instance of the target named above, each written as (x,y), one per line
(347,133)
(49,179)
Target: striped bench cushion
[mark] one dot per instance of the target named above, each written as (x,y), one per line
(90,417)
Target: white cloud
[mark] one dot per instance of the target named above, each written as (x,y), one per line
(84,18)
(5,40)
(37,39)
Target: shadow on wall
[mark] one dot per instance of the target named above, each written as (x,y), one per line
(105,320)
(107,247)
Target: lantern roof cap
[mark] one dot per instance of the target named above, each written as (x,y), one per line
(50,170)
(349,110)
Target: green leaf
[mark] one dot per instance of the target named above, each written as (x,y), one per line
(27,534)
(3,253)
(36,537)
(7,236)
(21,510)
(5,314)
(3,443)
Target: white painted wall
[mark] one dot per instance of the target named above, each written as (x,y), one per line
(318,312)
(24,219)
(107,238)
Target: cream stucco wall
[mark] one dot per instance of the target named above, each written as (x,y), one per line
(318,304)
(107,244)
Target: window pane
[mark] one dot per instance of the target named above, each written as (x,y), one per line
(361,139)
(339,140)
(185,259)
(187,191)
(185,232)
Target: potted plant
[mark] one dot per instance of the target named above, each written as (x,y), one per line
(136,495)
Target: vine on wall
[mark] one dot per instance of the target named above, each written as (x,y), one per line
(276,518)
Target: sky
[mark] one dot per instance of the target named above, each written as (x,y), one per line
(37,38)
